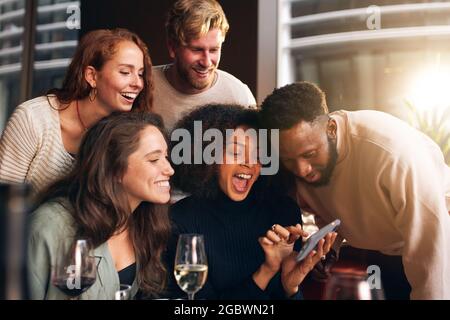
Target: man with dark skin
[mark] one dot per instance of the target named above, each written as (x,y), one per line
(387,182)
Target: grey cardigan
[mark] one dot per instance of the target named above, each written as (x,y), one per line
(51,225)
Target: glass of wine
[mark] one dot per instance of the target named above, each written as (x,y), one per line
(345,285)
(191,267)
(74,269)
(124,292)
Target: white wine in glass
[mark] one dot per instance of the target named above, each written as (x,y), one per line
(191,266)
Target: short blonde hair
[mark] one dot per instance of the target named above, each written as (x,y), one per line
(192,19)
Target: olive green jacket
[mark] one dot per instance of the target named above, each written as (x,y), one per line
(50,226)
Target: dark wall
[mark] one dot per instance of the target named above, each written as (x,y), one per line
(147,18)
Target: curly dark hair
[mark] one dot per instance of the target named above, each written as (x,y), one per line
(201,179)
(288,105)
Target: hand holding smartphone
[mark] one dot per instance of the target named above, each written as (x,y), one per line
(314,239)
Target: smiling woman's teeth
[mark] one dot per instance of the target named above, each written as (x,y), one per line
(129,95)
(163,184)
(244,176)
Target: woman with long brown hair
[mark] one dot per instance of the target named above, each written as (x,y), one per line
(111,71)
(115,198)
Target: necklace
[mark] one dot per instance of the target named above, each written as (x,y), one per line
(79,117)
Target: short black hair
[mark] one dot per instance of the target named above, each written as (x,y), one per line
(291,104)
(201,179)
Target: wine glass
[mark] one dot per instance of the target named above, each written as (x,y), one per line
(350,285)
(191,267)
(74,270)
(124,292)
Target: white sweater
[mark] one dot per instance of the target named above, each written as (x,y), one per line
(390,188)
(172,104)
(31,147)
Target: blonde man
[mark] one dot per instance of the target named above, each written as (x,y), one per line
(195,31)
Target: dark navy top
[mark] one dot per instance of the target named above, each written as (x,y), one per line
(231,230)
(127,274)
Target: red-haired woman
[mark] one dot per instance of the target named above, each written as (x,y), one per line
(110,71)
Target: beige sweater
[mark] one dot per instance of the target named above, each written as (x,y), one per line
(172,105)
(389,189)
(31,147)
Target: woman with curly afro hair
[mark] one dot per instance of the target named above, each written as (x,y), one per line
(250,230)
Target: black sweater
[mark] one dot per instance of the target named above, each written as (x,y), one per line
(231,231)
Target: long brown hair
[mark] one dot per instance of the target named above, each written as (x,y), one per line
(100,205)
(95,49)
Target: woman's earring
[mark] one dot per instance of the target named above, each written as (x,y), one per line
(93,94)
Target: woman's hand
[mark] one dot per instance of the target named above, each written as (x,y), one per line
(278,243)
(293,273)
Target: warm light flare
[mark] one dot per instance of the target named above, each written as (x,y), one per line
(430,89)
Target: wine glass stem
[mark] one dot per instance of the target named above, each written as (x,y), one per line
(191,296)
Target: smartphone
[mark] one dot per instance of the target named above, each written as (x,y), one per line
(314,239)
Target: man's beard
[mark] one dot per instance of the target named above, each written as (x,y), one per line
(184,72)
(327,172)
